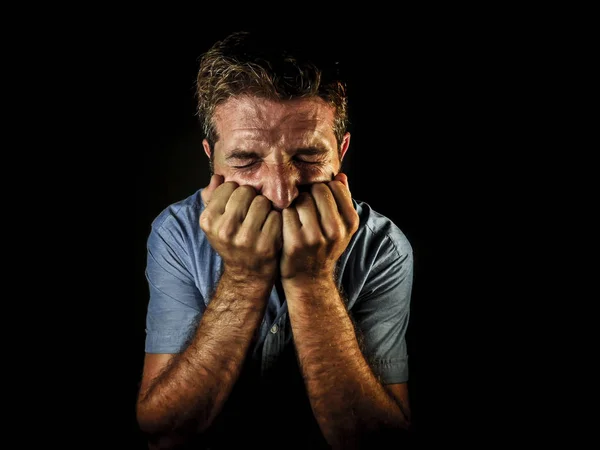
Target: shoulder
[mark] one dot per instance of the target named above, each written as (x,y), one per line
(379,233)
(180,217)
(177,226)
(378,263)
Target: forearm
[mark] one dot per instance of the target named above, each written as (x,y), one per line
(348,401)
(190,392)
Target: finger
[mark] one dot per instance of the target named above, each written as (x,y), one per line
(342,178)
(239,202)
(215,181)
(327,207)
(220,197)
(291,221)
(272,228)
(344,201)
(257,213)
(307,212)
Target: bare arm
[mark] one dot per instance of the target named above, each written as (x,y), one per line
(348,401)
(190,390)
(181,395)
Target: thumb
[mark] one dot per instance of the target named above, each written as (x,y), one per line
(215,181)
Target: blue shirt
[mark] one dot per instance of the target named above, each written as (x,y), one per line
(375,273)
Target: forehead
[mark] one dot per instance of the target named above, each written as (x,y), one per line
(268,120)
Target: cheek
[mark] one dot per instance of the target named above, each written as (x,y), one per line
(245,177)
(319,174)
(242,179)
(238,176)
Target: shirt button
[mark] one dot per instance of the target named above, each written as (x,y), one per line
(274,329)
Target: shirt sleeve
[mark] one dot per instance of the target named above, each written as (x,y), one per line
(382,310)
(175,305)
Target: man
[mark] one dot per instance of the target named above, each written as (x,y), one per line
(278,303)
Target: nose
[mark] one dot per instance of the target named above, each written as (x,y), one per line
(281,186)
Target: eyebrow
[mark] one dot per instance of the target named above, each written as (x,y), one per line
(250,154)
(242,154)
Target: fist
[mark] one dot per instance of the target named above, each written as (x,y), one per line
(317,230)
(243,228)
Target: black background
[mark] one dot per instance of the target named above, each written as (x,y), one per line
(428,122)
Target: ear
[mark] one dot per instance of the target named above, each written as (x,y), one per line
(345,145)
(206,147)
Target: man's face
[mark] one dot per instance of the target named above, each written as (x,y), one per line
(276,146)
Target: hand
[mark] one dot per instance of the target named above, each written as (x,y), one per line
(215,182)
(317,230)
(243,229)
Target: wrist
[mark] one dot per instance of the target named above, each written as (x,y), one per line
(307,286)
(247,281)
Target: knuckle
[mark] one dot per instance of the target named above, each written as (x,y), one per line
(230,185)
(336,184)
(322,190)
(294,247)
(206,220)
(334,233)
(315,242)
(227,231)
(262,202)
(275,216)
(266,250)
(246,190)
(243,240)
(319,187)
(226,189)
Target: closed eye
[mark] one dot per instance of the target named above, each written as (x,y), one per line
(245,166)
(304,161)
(296,160)
(244,158)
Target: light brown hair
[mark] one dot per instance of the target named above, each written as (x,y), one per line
(245,63)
